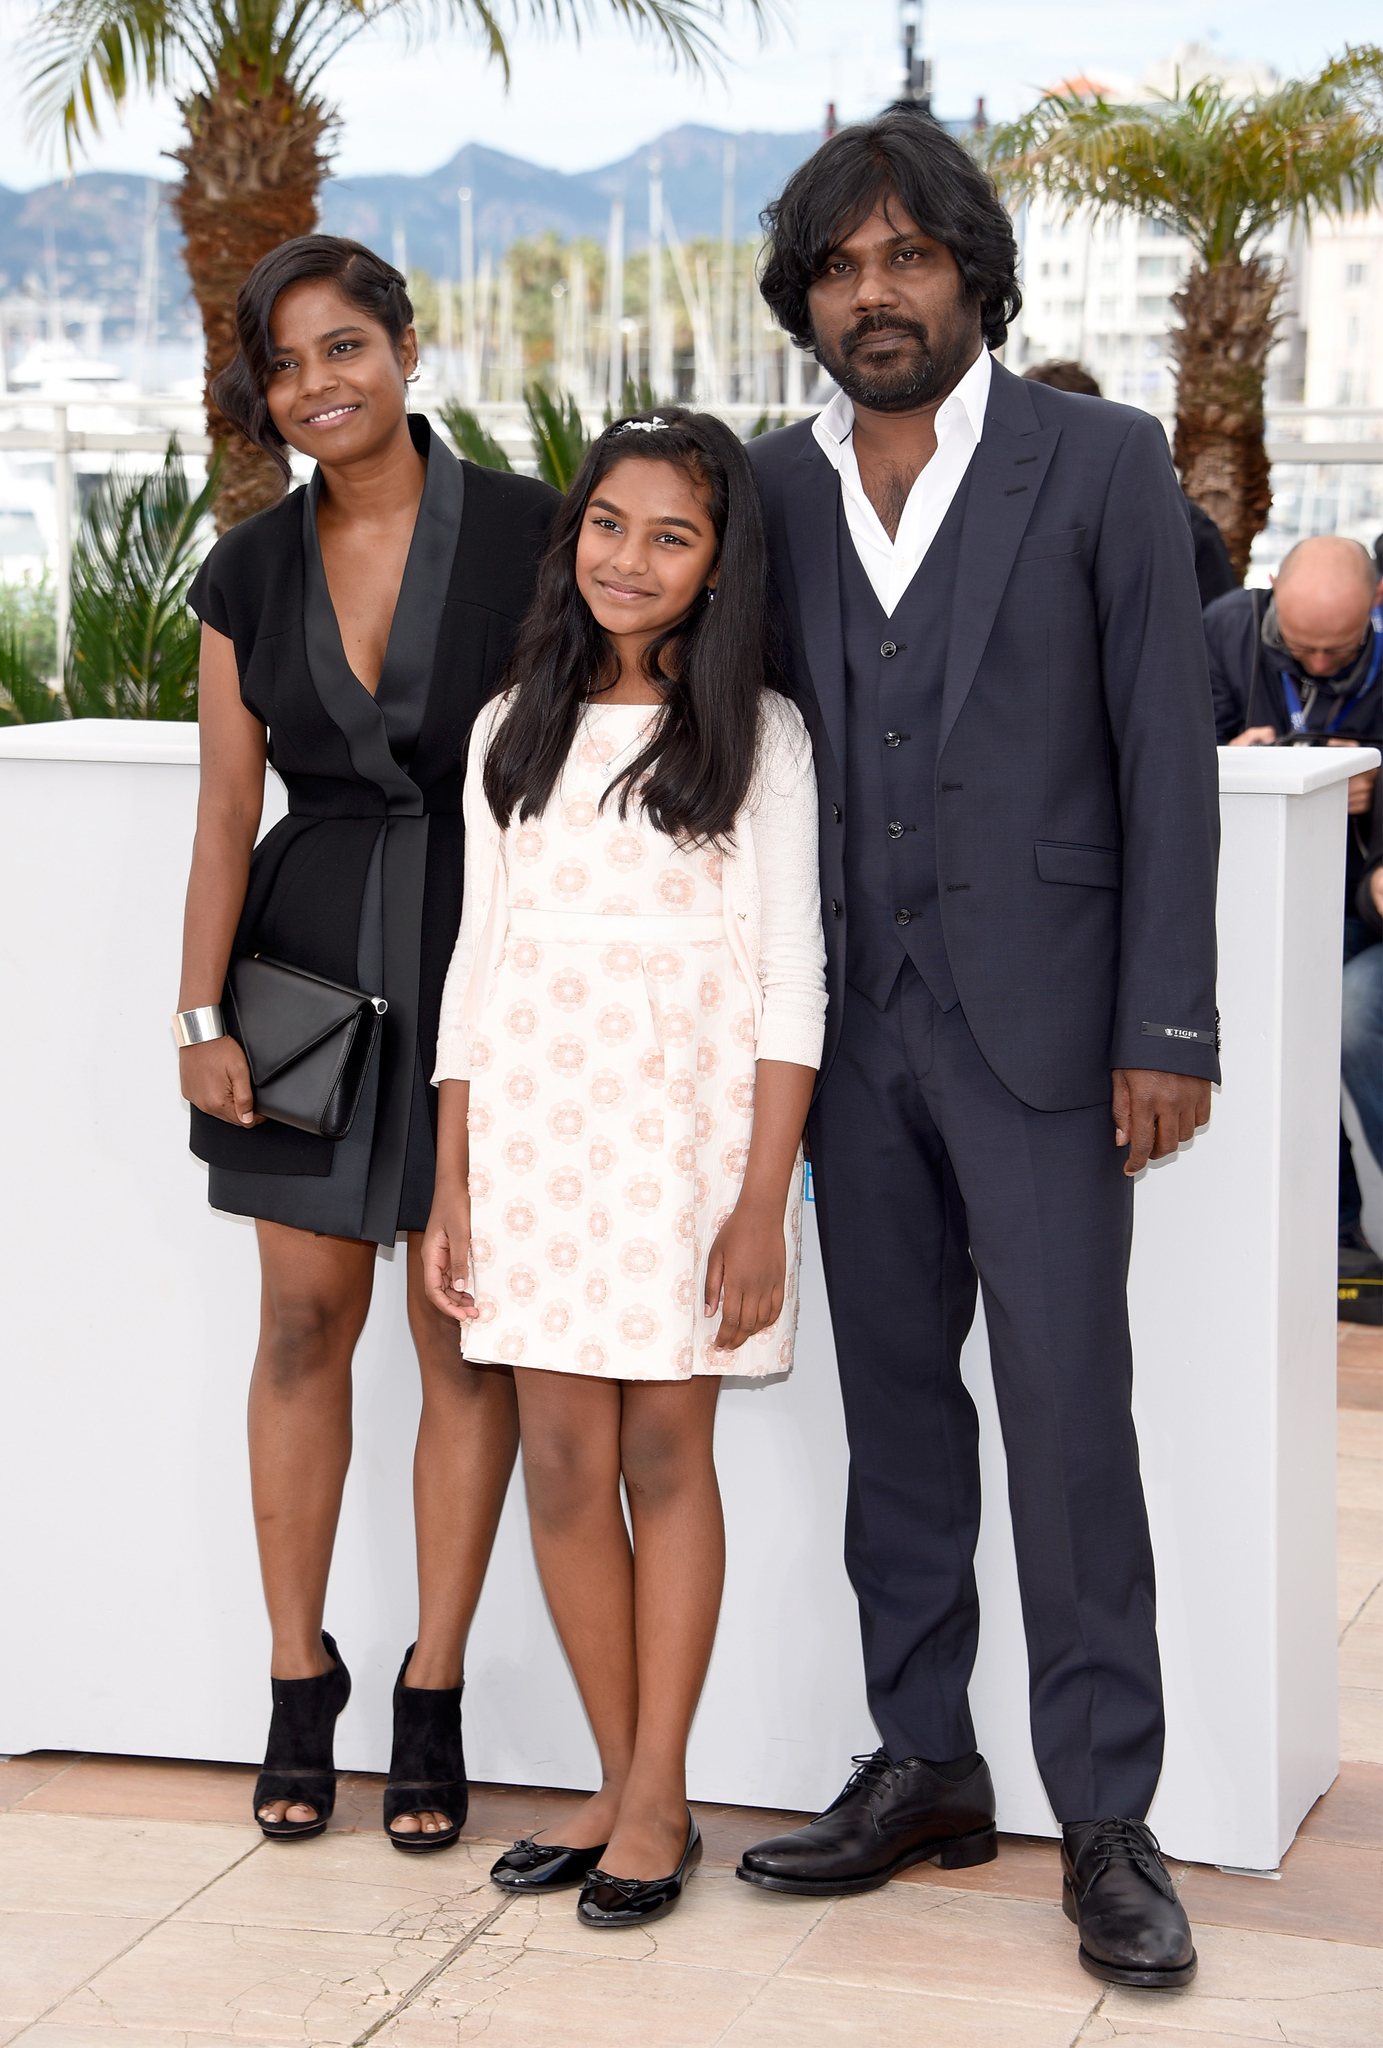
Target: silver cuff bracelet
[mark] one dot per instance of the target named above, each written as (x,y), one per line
(197,1027)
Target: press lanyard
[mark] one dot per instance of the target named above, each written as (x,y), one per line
(1294,710)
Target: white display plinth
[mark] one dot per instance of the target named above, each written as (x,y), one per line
(130,1609)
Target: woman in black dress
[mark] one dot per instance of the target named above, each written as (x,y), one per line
(350,634)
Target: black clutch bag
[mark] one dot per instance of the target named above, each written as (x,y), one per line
(308,1042)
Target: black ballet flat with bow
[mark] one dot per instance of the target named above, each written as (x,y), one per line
(299,1764)
(544,1866)
(427,1770)
(607,1901)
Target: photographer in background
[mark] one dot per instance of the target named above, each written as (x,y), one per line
(1302,665)
(1361,1027)
(1214,570)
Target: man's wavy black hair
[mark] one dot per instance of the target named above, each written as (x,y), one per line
(366,280)
(936,182)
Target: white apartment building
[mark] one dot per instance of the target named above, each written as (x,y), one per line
(1099,293)
(1341,288)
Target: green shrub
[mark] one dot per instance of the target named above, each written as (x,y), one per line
(133,643)
(29,653)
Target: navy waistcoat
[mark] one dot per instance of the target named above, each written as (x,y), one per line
(894,671)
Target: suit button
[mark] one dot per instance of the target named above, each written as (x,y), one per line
(902,917)
(895,829)
(835,907)
(893,739)
(835,812)
(889,649)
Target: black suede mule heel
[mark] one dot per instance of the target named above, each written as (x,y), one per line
(298,1762)
(427,1771)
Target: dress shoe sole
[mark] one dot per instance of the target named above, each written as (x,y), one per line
(1141,1980)
(957,1852)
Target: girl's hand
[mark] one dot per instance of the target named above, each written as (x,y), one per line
(447,1257)
(746,1272)
(216,1078)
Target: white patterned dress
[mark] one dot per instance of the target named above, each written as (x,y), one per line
(612,1095)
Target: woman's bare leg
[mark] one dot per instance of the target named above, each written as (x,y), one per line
(666,1454)
(467,1440)
(315,1295)
(571,1462)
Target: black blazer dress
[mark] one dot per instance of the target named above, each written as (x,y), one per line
(361,882)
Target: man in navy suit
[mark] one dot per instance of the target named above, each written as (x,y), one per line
(989,601)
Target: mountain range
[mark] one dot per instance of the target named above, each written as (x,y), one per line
(83,237)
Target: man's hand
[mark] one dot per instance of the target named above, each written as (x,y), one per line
(1256,736)
(1360,786)
(1154,1113)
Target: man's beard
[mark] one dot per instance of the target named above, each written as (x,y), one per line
(914,378)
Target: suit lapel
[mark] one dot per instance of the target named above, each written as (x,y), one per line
(1006,475)
(811,513)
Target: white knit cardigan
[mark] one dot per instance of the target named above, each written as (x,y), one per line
(771,895)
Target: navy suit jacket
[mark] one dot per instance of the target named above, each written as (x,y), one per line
(1076,786)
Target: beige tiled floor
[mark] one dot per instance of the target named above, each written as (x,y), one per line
(138,1906)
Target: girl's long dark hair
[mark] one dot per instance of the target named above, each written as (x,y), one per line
(693,776)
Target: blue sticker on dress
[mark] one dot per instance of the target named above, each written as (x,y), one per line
(807,1190)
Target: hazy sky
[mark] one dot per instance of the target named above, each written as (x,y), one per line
(410,109)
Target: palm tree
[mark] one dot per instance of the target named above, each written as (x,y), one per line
(259,132)
(1223,173)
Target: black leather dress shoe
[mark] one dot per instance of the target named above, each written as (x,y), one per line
(1114,1885)
(607,1901)
(544,1866)
(888,1817)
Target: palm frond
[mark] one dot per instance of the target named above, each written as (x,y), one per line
(1221,170)
(82,53)
(472,441)
(133,644)
(559,435)
(636,395)
(688,30)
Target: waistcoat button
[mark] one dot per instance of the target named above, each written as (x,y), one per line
(889,649)
(895,828)
(835,812)
(835,907)
(902,917)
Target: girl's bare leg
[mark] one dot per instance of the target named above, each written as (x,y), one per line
(467,1440)
(669,1471)
(315,1295)
(571,1462)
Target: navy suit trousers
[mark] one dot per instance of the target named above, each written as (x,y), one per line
(927,1172)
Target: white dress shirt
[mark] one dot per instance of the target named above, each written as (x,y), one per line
(891,564)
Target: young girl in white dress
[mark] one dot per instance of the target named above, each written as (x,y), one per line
(630,1033)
